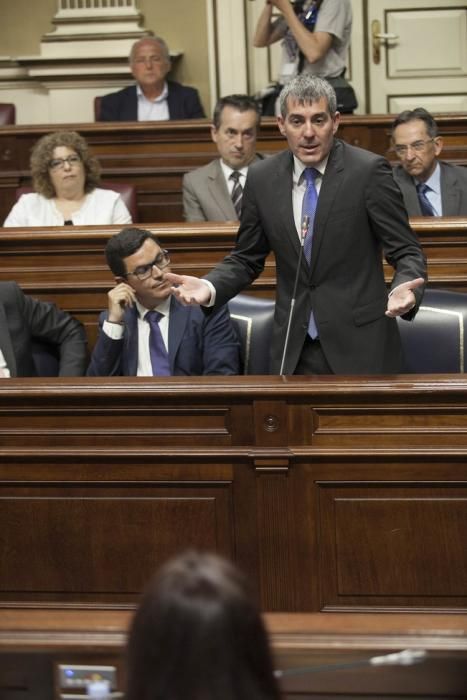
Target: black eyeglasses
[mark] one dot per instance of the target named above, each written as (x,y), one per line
(59,163)
(142,272)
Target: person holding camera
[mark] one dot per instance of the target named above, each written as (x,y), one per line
(315,37)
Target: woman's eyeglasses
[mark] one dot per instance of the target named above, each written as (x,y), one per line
(59,163)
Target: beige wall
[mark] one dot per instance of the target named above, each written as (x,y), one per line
(182,24)
(22,23)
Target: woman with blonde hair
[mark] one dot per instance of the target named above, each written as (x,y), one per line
(65,179)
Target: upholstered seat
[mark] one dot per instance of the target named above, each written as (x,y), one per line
(253,319)
(7,113)
(434,341)
(126,191)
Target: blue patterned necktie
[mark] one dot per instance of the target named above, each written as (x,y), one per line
(237,192)
(310,201)
(158,351)
(425,204)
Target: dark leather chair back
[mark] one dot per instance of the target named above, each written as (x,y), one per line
(252,318)
(126,191)
(434,342)
(97,107)
(7,113)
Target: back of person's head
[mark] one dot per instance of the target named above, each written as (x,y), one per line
(123,244)
(306,89)
(242,103)
(410,115)
(197,635)
(43,153)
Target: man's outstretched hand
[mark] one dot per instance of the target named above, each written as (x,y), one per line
(189,290)
(402,298)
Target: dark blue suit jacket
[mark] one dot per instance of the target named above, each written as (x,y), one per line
(122,106)
(198,344)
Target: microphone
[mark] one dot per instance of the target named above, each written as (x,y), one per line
(303,233)
(407,657)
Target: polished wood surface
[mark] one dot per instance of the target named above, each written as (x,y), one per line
(69,268)
(319,655)
(154,156)
(334,494)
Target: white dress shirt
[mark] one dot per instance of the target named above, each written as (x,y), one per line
(116,330)
(153,110)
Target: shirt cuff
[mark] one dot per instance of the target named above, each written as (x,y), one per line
(212,289)
(113,330)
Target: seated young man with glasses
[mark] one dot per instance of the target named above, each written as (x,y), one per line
(430,187)
(146,331)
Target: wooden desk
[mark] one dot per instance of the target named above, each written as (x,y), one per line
(334,494)
(154,156)
(34,642)
(69,268)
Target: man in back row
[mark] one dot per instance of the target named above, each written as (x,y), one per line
(153,97)
(342,205)
(429,186)
(215,191)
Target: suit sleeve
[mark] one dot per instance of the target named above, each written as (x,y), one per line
(246,262)
(221,354)
(48,323)
(390,223)
(106,358)
(192,210)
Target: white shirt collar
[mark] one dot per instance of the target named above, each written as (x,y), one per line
(163,96)
(299,167)
(163,308)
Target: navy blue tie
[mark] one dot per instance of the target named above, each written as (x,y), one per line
(158,351)
(425,204)
(309,204)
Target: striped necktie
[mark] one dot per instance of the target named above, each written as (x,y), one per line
(158,351)
(237,192)
(425,204)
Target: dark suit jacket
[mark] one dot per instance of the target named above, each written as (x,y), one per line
(24,319)
(453,190)
(359,214)
(122,106)
(206,196)
(198,344)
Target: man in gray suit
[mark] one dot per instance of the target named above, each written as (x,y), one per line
(214,192)
(429,186)
(345,202)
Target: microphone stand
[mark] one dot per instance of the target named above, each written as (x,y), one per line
(304,231)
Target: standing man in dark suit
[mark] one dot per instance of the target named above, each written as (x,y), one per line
(343,319)
(153,97)
(209,192)
(180,341)
(23,320)
(429,186)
